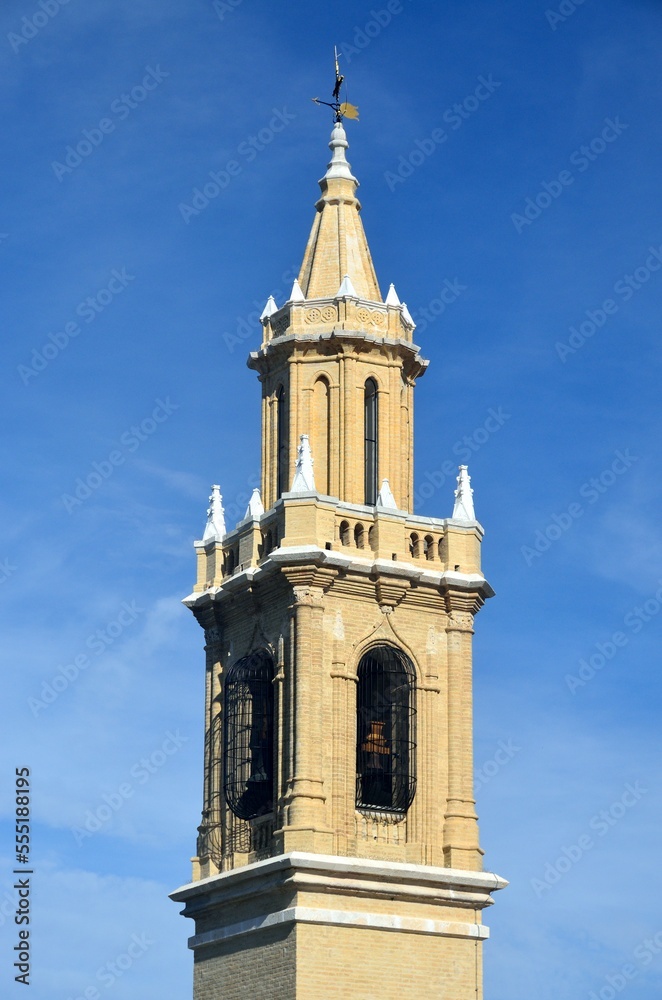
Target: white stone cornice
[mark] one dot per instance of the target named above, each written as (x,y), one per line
(345,875)
(303,554)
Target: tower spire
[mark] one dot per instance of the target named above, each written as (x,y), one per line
(337,245)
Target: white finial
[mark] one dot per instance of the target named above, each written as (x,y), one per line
(215,527)
(464,504)
(269,309)
(338,165)
(296,295)
(304,480)
(386,498)
(392,297)
(255,507)
(406,315)
(346,288)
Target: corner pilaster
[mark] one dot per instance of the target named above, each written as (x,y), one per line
(461,845)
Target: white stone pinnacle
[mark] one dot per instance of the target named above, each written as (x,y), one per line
(406,315)
(215,527)
(392,297)
(464,504)
(346,288)
(296,295)
(269,309)
(304,479)
(255,507)
(338,165)
(386,498)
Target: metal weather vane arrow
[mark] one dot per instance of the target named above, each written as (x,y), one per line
(341,109)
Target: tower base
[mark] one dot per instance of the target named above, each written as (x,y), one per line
(317,927)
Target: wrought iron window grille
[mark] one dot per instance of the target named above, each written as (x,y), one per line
(386,732)
(248,736)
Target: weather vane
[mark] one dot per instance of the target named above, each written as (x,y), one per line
(341,109)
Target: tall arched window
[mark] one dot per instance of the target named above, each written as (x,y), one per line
(370,424)
(321,429)
(385,731)
(248,734)
(282,442)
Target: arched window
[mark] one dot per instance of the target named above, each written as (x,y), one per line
(414,545)
(370,441)
(428,547)
(321,430)
(248,754)
(344,532)
(282,444)
(386,731)
(359,536)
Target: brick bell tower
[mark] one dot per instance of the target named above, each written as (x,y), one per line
(338,853)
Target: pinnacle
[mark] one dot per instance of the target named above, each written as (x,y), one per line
(464,504)
(304,479)
(215,528)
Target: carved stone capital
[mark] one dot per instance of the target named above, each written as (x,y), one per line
(460,621)
(308,597)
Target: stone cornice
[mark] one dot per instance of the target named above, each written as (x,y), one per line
(336,341)
(345,876)
(302,562)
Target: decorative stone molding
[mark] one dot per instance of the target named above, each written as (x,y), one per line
(462,621)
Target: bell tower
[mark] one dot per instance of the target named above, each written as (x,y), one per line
(338,852)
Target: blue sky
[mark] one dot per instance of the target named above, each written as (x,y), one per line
(127,322)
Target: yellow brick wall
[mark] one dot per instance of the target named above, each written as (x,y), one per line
(338,963)
(253,967)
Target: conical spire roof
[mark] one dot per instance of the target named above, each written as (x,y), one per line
(337,245)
